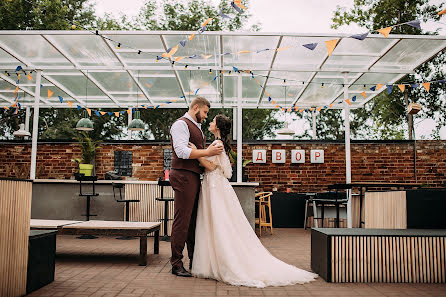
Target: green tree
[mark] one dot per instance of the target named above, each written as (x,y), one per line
(384,116)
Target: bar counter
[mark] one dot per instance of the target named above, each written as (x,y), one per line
(59,200)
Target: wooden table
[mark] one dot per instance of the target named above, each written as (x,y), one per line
(106,228)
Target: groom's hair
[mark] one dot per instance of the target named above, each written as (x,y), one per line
(201,101)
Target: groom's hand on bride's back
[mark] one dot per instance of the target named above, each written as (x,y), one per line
(215,148)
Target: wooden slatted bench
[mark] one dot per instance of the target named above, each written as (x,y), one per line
(379,255)
(106,228)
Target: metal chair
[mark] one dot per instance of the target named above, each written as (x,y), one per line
(329,198)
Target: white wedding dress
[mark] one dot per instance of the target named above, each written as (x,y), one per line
(226,247)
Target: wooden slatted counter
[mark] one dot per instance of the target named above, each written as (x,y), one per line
(379,255)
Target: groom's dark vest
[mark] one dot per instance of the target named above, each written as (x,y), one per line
(196,137)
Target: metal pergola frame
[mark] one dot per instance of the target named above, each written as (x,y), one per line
(74,67)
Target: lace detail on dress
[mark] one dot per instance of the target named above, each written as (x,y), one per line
(223,165)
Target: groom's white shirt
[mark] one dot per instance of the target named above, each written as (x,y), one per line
(180,137)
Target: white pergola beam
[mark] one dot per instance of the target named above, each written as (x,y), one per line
(269,72)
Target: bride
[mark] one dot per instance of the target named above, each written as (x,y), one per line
(226,247)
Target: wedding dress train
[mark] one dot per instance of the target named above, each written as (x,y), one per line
(226,247)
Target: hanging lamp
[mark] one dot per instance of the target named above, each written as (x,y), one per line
(285,130)
(85,124)
(137,124)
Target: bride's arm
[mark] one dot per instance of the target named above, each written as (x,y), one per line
(204,161)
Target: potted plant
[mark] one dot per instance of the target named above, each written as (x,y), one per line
(233,159)
(88,154)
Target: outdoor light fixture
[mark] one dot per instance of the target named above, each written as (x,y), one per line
(85,124)
(285,130)
(21,132)
(137,124)
(118,46)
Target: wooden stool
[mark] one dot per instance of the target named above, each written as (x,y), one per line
(263,200)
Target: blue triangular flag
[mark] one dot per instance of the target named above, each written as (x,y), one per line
(223,15)
(226,54)
(310,46)
(60,99)
(97,113)
(195,56)
(269,98)
(373,88)
(360,36)
(389,89)
(235,68)
(215,77)
(122,111)
(415,24)
(325,106)
(41,86)
(182,97)
(133,110)
(183,43)
(354,98)
(236,7)
(201,30)
(110,113)
(18,104)
(168,102)
(18,68)
(306,110)
(414,85)
(262,50)
(197,91)
(169,49)
(79,108)
(442,81)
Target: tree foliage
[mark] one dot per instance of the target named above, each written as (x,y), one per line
(386,115)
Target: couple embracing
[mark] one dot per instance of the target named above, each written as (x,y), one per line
(221,243)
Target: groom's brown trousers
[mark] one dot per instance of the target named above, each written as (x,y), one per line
(186,185)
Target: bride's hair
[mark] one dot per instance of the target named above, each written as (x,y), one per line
(224,125)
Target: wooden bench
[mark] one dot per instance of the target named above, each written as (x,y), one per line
(106,228)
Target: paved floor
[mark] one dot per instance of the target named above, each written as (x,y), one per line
(108,267)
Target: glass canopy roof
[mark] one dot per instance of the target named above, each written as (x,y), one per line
(91,71)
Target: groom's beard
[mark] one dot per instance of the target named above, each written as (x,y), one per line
(198,117)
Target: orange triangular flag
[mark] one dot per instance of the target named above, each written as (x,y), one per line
(311,109)
(50,93)
(16,90)
(89,111)
(331,44)
(239,4)
(319,108)
(206,56)
(378,86)
(348,101)
(267,94)
(442,12)
(15,103)
(273,102)
(402,87)
(29,76)
(102,112)
(277,106)
(129,111)
(301,110)
(364,95)
(385,31)
(427,86)
(206,22)
(243,52)
(117,113)
(330,106)
(178,58)
(173,50)
(191,36)
(282,48)
(6,107)
(70,103)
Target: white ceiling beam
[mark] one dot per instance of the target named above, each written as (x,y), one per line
(262,93)
(163,41)
(135,80)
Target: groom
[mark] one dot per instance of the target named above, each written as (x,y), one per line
(185,179)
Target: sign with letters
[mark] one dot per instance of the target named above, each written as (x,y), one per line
(259,156)
(279,156)
(317,156)
(298,156)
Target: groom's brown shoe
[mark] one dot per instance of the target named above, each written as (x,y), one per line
(180,271)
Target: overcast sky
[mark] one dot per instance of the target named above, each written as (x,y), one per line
(299,16)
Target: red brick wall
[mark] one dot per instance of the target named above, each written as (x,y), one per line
(371,161)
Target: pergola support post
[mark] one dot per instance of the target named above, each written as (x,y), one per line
(314,124)
(348,173)
(129,120)
(35,134)
(239,129)
(27,115)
